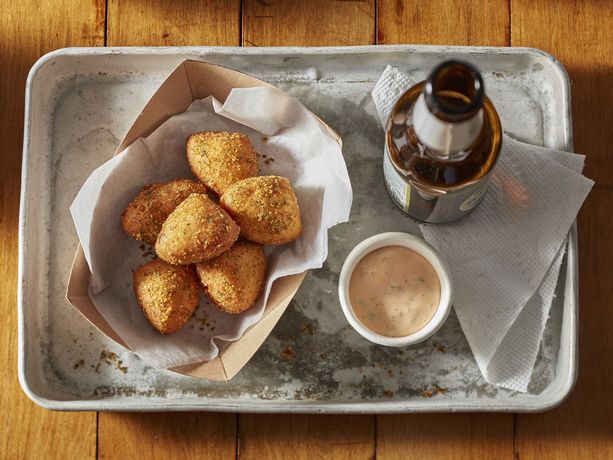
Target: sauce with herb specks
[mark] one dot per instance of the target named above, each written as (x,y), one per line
(394,291)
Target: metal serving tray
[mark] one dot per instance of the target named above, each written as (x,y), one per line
(80,102)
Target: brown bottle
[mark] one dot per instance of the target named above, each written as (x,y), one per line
(442,140)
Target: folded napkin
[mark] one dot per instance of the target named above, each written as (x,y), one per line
(505,256)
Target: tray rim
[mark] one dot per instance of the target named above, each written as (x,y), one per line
(258,406)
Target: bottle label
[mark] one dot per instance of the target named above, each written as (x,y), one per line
(398,188)
(431,207)
(474,199)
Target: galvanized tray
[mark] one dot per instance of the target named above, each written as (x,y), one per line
(79,103)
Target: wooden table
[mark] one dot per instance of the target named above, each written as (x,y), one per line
(579,33)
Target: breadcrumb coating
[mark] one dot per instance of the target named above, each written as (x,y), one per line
(167,294)
(220,159)
(197,230)
(143,217)
(265,208)
(235,279)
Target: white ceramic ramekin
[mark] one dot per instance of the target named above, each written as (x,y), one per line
(421,247)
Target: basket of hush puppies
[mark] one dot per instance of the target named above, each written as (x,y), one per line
(233,185)
(197,240)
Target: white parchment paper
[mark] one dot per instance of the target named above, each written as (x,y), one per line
(290,142)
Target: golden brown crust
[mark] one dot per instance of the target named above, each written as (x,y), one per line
(265,208)
(196,230)
(220,159)
(235,279)
(144,216)
(167,294)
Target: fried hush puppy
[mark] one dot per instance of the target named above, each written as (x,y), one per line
(197,230)
(220,159)
(144,216)
(265,208)
(235,279)
(167,294)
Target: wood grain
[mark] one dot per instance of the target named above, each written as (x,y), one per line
(309,23)
(285,24)
(444,436)
(190,435)
(164,23)
(312,23)
(582,427)
(580,35)
(306,436)
(28,431)
(578,32)
(454,22)
(167,435)
(444,22)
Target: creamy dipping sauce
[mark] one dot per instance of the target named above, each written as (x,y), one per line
(394,291)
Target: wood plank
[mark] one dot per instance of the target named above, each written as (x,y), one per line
(306,437)
(189,435)
(28,431)
(166,435)
(580,35)
(582,427)
(455,22)
(163,23)
(445,436)
(444,22)
(312,23)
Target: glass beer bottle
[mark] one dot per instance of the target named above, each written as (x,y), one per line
(442,140)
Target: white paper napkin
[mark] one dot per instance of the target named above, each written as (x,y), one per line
(505,256)
(292,144)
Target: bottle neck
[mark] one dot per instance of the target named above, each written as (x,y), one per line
(445,141)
